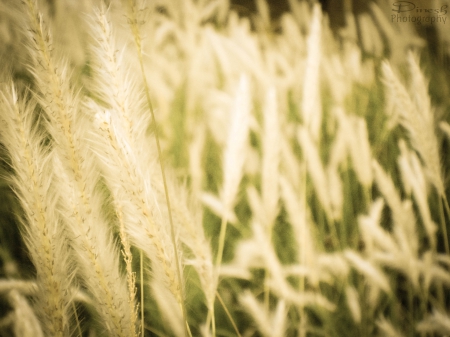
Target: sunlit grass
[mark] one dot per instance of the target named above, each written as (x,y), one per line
(291,182)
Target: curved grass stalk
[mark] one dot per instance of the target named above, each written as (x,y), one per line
(132,20)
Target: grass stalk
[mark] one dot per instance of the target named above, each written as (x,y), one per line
(228,314)
(138,42)
(443,202)
(141,265)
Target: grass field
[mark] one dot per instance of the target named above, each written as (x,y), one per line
(174,168)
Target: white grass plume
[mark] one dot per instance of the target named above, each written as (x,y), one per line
(25,322)
(438,322)
(375,237)
(404,219)
(97,256)
(315,169)
(188,218)
(132,189)
(299,218)
(270,324)
(110,81)
(74,164)
(311,106)
(355,132)
(353,304)
(388,328)
(416,116)
(360,151)
(271,158)
(373,274)
(170,310)
(236,144)
(412,173)
(133,10)
(44,236)
(277,281)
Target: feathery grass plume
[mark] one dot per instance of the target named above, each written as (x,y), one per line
(416,116)
(96,255)
(188,216)
(193,57)
(370,37)
(131,276)
(336,194)
(269,324)
(354,130)
(315,169)
(271,158)
(446,128)
(438,322)
(34,186)
(331,266)
(132,9)
(131,186)
(170,309)
(374,236)
(233,168)
(360,152)
(398,37)
(418,88)
(25,322)
(196,150)
(339,81)
(264,13)
(111,82)
(373,274)
(297,210)
(432,272)
(311,106)
(234,154)
(412,173)
(299,219)
(277,281)
(387,328)
(404,220)
(339,148)
(353,304)
(216,206)
(24,287)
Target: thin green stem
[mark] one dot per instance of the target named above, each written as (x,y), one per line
(223,230)
(302,332)
(228,314)
(141,261)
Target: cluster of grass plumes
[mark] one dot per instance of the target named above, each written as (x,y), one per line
(189,172)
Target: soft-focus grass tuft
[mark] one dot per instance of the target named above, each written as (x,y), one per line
(185,170)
